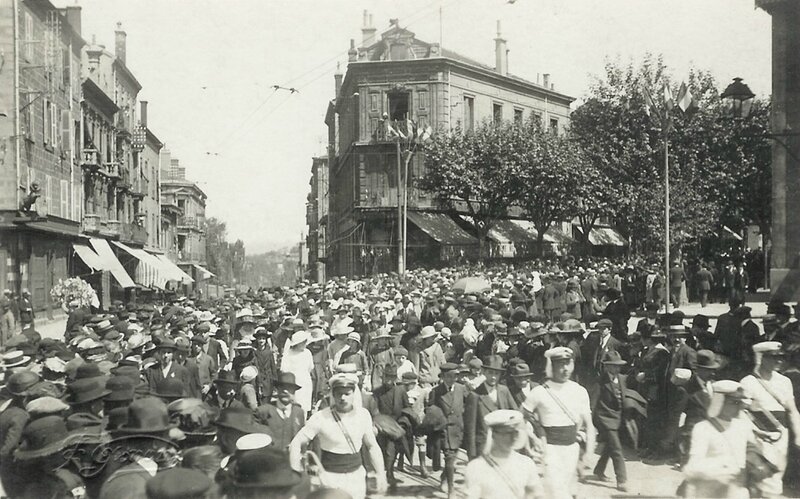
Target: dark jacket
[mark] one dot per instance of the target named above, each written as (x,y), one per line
(478,405)
(452,403)
(607,412)
(391,400)
(619,314)
(154,375)
(265,362)
(283,429)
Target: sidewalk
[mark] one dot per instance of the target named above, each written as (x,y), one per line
(52,328)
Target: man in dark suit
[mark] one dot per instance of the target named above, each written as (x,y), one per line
(698,391)
(549,298)
(450,397)
(489,396)
(704,280)
(390,400)
(283,417)
(619,314)
(594,349)
(608,417)
(166,367)
(264,360)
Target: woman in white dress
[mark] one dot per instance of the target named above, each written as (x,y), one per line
(300,362)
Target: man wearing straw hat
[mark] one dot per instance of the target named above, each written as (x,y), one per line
(500,471)
(562,408)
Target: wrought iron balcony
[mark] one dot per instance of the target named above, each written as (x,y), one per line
(190,223)
(91,160)
(390,131)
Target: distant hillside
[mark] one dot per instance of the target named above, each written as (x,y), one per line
(273,268)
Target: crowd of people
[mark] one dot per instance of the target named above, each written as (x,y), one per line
(328,390)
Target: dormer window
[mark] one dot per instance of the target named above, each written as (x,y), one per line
(398,51)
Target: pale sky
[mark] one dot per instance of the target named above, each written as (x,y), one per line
(207,67)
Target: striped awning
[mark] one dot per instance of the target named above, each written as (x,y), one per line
(109,262)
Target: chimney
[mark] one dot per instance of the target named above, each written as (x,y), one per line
(367,30)
(93,53)
(143,113)
(73,15)
(546,80)
(120,43)
(337,79)
(501,53)
(352,54)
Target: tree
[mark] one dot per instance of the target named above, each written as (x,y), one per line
(225,260)
(553,171)
(474,171)
(713,162)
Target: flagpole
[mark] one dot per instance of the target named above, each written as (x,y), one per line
(401,266)
(405,206)
(666,209)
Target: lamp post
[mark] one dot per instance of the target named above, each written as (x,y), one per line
(739,98)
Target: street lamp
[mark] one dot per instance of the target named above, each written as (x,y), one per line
(738,98)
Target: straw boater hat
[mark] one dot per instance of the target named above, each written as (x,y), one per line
(14,358)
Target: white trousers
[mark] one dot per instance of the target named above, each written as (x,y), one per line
(354,483)
(561,465)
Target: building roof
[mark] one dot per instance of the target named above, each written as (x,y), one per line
(94,94)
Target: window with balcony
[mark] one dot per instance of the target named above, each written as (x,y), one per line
(469,113)
(497,113)
(398,106)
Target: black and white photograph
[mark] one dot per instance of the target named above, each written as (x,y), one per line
(350,249)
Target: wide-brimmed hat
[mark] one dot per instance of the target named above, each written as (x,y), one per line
(613,358)
(14,358)
(286,380)
(194,417)
(248,374)
(49,435)
(428,332)
(86,390)
(265,468)
(240,419)
(147,415)
(298,337)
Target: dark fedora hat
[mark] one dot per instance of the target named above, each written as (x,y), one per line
(169,389)
(86,390)
(700,321)
(167,344)
(88,370)
(19,383)
(494,362)
(121,388)
(520,370)
(178,483)
(240,419)
(287,380)
(147,415)
(706,359)
(613,358)
(227,377)
(49,435)
(265,468)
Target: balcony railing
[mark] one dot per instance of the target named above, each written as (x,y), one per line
(111,169)
(390,131)
(189,257)
(91,159)
(190,222)
(92,223)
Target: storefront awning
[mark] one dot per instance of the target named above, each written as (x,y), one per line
(89,257)
(204,272)
(173,272)
(442,228)
(552,236)
(110,263)
(605,236)
(506,231)
(149,271)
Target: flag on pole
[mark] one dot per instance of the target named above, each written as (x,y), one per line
(649,104)
(669,102)
(686,101)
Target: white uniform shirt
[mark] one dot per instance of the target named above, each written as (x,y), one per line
(331,438)
(779,384)
(485,482)
(572,395)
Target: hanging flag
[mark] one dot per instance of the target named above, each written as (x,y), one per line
(686,101)
(669,103)
(649,104)
(411,129)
